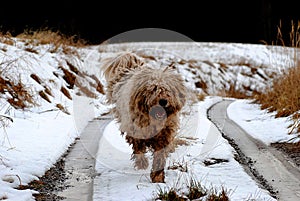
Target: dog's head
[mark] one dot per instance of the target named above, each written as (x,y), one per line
(160,93)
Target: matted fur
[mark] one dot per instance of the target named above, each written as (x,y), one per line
(147,104)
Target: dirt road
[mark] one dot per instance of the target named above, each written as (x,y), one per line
(268,166)
(80,163)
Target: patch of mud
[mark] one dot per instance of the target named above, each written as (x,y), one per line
(248,165)
(51,182)
(291,150)
(213,161)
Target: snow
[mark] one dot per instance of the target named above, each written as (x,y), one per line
(118,177)
(270,129)
(39,135)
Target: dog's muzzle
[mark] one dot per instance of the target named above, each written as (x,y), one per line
(158,112)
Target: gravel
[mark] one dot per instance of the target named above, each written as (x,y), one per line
(50,183)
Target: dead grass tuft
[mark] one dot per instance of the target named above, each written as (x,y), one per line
(202,85)
(36,78)
(85,90)
(31,49)
(195,191)
(200,96)
(47,36)
(6,38)
(234,92)
(73,68)
(62,108)
(99,87)
(44,96)
(69,77)
(169,195)
(48,91)
(20,97)
(66,92)
(215,196)
(283,97)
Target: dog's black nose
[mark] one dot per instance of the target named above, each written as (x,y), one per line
(162,102)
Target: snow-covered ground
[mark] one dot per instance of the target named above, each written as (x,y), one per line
(31,140)
(118,179)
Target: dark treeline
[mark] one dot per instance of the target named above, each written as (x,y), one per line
(212,21)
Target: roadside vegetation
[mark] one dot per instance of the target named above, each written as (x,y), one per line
(283,96)
(44,36)
(194,191)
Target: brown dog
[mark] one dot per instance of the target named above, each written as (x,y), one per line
(147,103)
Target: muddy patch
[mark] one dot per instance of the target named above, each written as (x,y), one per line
(291,150)
(51,182)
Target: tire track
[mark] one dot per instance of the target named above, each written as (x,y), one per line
(267,166)
(80,163)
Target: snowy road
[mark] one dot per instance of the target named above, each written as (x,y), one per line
(265,164)
(94,154)
(80,163)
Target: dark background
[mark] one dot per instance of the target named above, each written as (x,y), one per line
(202,21)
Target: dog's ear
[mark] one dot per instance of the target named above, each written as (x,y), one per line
(114,67)
(127,60)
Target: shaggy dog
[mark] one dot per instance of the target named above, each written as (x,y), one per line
(147,102)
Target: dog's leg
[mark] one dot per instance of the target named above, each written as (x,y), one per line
(139,150)
(141,162)
(163,146)
(159,161)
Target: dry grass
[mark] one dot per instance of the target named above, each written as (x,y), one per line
(218,196)
(293,37)
(195,191)
(42,36)
(6,38)
(66,92)
(20,96)
(233,92)
(48,36)
(283,97)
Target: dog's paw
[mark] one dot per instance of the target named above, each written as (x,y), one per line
(158,176)
(141,162)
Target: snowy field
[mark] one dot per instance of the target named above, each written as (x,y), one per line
(33,139)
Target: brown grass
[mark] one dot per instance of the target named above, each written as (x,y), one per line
(195,191)
(62,108)
(233,92)
(69,77)
(6,38)
(36,78)
(215,196)
(48,36)
(293,36)
(44,96)
(283,97)
(66,92)
(20,96)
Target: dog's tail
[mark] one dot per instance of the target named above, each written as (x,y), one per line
(114,68)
